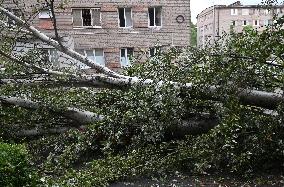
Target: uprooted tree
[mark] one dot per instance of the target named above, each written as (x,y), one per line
(219,108)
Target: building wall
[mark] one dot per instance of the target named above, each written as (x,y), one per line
(111,38)
(217,21)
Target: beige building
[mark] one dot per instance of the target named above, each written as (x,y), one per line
(218,20)
(110,31)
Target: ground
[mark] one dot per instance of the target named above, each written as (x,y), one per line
(206,181)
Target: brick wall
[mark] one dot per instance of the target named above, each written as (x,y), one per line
(111,38)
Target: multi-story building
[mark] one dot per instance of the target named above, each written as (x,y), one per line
(217,20)
(110,31)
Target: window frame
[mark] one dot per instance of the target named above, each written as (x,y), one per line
(234,11)
(94,54)
(257,23)
(247,23)
(131,17)
(268,22)
(149,21)
(82,25)
(50,55)
(128,63)
(47,16)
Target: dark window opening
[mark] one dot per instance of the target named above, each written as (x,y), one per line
(125,18)
(155,16)
(87,17)
(151,16)
(121,17)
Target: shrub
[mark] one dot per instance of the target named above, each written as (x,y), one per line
(15,168)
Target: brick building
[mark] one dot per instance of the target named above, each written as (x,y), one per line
(110,31)
(220,19)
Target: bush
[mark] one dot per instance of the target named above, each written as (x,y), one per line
(15,168)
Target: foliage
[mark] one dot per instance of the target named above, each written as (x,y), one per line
(193,34)
(136,137)
(15,167)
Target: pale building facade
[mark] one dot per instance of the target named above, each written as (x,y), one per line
(218,20)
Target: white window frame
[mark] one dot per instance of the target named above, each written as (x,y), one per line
(80,27)
(45,14)
(234,11)
(94,53)
(125,17)
(50,56)
(128,63)
(46,55)
(247,23)
(149,21)
(255,21)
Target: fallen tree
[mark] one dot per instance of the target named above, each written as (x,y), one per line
(253,97)
(219,95)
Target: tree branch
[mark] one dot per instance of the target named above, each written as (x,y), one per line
(249,97)
(81,116)
(56,45)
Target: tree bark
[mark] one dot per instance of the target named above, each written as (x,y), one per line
(81,116)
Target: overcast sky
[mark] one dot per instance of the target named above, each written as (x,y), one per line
(198,5)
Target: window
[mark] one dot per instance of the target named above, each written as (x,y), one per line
(125,56)
(266,11)
(233,23)
(256,11)
(125,17)
(155,16)
(245,12)
(53,56)
(245,22)
(45,14)
(234,11)
(153,51)
(256,22)
(96,55)
(49,55)
(268,22)
(87,17)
